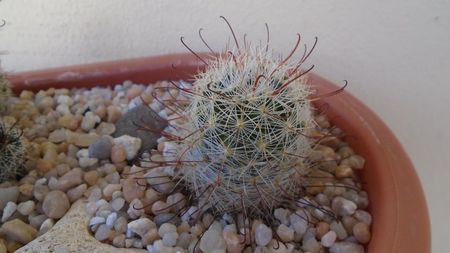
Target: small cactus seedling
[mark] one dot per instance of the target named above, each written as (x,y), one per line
(12,152)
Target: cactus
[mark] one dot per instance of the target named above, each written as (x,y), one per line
(244,144)
(12,152)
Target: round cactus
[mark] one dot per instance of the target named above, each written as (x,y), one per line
(247,132)
(12,152)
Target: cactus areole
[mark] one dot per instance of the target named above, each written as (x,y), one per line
(247,132)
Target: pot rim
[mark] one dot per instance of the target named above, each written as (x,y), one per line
(397,201)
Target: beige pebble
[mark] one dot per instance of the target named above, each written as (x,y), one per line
(344,171)
(160,207)
(69,121)
(133,188)
(91,177)
(17,230)
(118,153)
(44,166)
(113,113)
(55,204)
(26,189)
(361,231)
(76,193)
(321,229)
(109,189)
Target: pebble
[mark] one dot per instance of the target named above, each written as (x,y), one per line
(113,113)
(9,194)
(212,239)
(105,128)
(166,218)
(26,208)
(72,178)
(170,239)
(8,211)
(119,241)
(233,241)
(69,121)
(141,226)
(91,177)
(285,233)
(361,231)
(55,204)
(133,190)
(131,145)
(57,136)
(185,238)
(166,228)
(96,220)
(117,204)
(86,162)
(102,232)
(118,153)
(263,235)
(310,245)
(328,239)
(19,231)
(121,225)
(282,215)
(111,219)
(339,229)
(363,216)
(44,166)
(109,189)
(37,220)
(101,149)
(343,206)
(346,247)
(76,193)
(299,222)
(46,225)
(159,181)
(89,121)
(135,209)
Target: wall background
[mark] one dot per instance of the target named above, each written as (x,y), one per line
(395,55)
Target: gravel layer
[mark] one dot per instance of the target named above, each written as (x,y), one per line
(74,154)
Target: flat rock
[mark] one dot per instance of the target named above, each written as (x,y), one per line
(61,237)
(141,115)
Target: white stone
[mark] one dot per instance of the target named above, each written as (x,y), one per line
(166,228)
(212,239)
(89,121)
(111,219)
(141,226)
(170,239)
(299,222)
(26,208)
(343,206)
(131,145)
(328,239)
(263,235)
(282,215)
(46,225)
(97,220)
(10,208)
(339,229)
(285,233)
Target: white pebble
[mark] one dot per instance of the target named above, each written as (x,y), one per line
(328,239)
(46,226)
(25,208)
(9,209)
(263,235)
(339,229)
(117,203)
(212,239)
(111,219)
(282,215)
(131,145)
(141,226)
(170,239)
(343,206)
(97,220)
(166,228)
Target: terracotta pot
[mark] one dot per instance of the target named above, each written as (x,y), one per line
(397,202)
